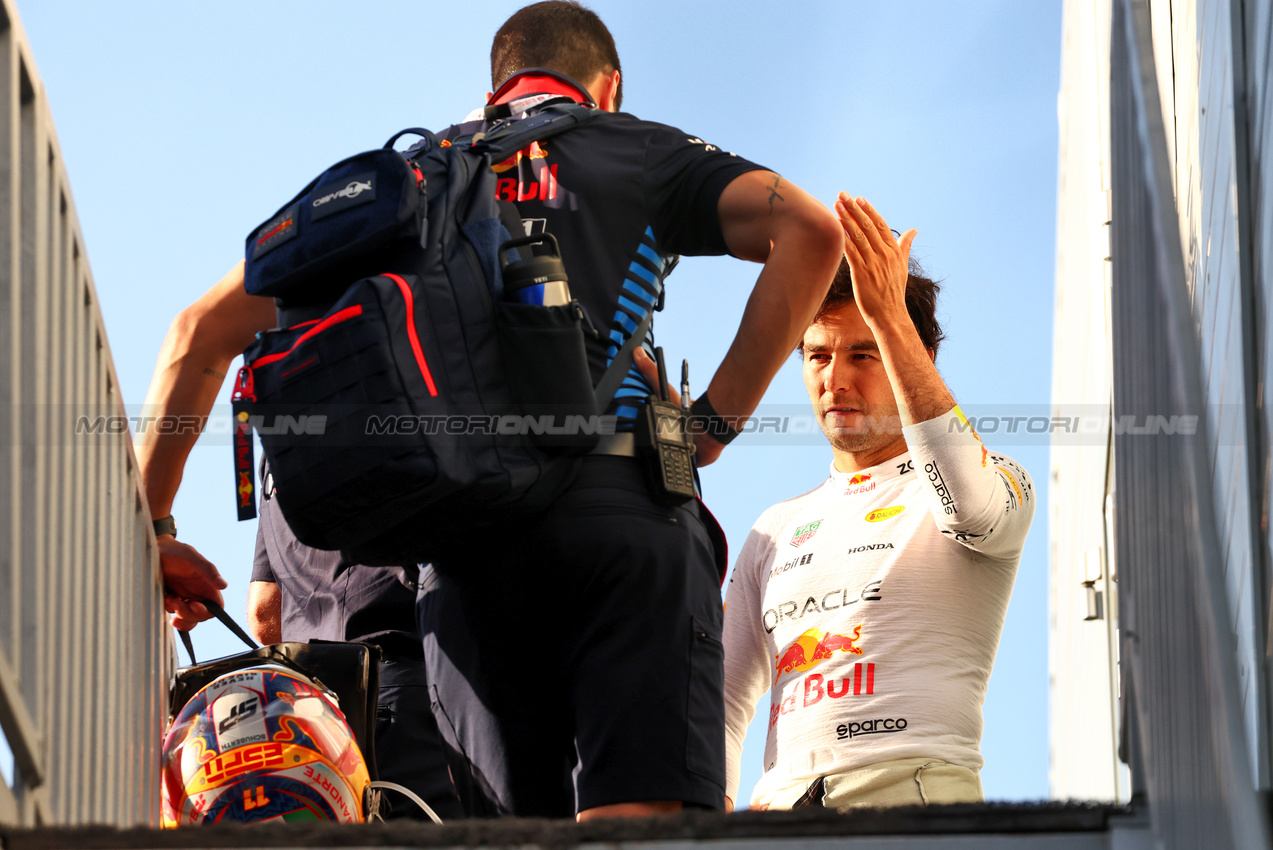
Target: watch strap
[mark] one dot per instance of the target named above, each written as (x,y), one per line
(167,525)
(701,411)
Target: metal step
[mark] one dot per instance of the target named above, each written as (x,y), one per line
(1029,826)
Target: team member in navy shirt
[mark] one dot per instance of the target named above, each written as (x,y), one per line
(578,657)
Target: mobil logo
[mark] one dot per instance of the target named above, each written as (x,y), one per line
(813,647)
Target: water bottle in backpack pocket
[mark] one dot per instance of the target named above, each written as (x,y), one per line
(539,330)
(445,408)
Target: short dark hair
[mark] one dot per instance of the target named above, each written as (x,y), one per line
(921,302)
(563,35)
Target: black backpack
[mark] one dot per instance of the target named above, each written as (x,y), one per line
(414,405)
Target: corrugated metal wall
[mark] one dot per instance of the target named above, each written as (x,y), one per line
(1194,52)
(1254,118)
(1189,739)
(85,658)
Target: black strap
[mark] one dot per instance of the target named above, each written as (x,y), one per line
(618,369)
(513,223)
(430,139)
(226,620)
(497,111)
(506,138)
(721,431)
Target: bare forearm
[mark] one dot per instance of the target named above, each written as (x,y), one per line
(200,345)
(918,388)
(182,391)
(265,612)
(783,302)
(768,220)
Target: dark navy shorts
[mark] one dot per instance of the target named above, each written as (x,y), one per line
(576,661)
(408,750)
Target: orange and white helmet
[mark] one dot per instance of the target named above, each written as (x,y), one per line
(262,744)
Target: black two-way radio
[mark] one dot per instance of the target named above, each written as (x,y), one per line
(664,441)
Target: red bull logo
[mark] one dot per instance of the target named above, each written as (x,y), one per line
(804,532)
(276,230)
(532,152)
(541,187)
(813,647)
(245,488)
(816,687)
(860,483)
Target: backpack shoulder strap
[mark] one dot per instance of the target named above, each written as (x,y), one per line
(508,137)
(618,368)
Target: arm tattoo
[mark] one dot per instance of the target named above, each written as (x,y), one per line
(773,192)
(214,373)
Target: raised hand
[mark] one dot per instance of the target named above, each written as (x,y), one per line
(879,262)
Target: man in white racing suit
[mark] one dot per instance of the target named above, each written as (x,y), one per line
(871,606)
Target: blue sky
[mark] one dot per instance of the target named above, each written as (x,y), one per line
(183,125)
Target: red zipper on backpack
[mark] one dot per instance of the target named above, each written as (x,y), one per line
(334,319)
(243,386)
(412,337)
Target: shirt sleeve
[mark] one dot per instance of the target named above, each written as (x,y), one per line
(747,666)
(684,178)
(261,568)
(983,501)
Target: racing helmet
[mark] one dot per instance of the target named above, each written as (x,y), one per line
(261,744)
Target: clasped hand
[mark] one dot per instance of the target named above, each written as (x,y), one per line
(188,578)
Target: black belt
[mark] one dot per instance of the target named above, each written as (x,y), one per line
(616,445)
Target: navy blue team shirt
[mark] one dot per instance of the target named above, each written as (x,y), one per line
(623,197)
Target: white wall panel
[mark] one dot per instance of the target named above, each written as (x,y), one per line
(1083,722)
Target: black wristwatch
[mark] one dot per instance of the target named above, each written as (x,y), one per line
(167,525)
(710,422)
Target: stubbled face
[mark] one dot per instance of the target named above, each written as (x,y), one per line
(850,391)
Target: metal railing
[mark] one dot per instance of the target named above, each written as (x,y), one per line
(1184,732)
(84,655)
